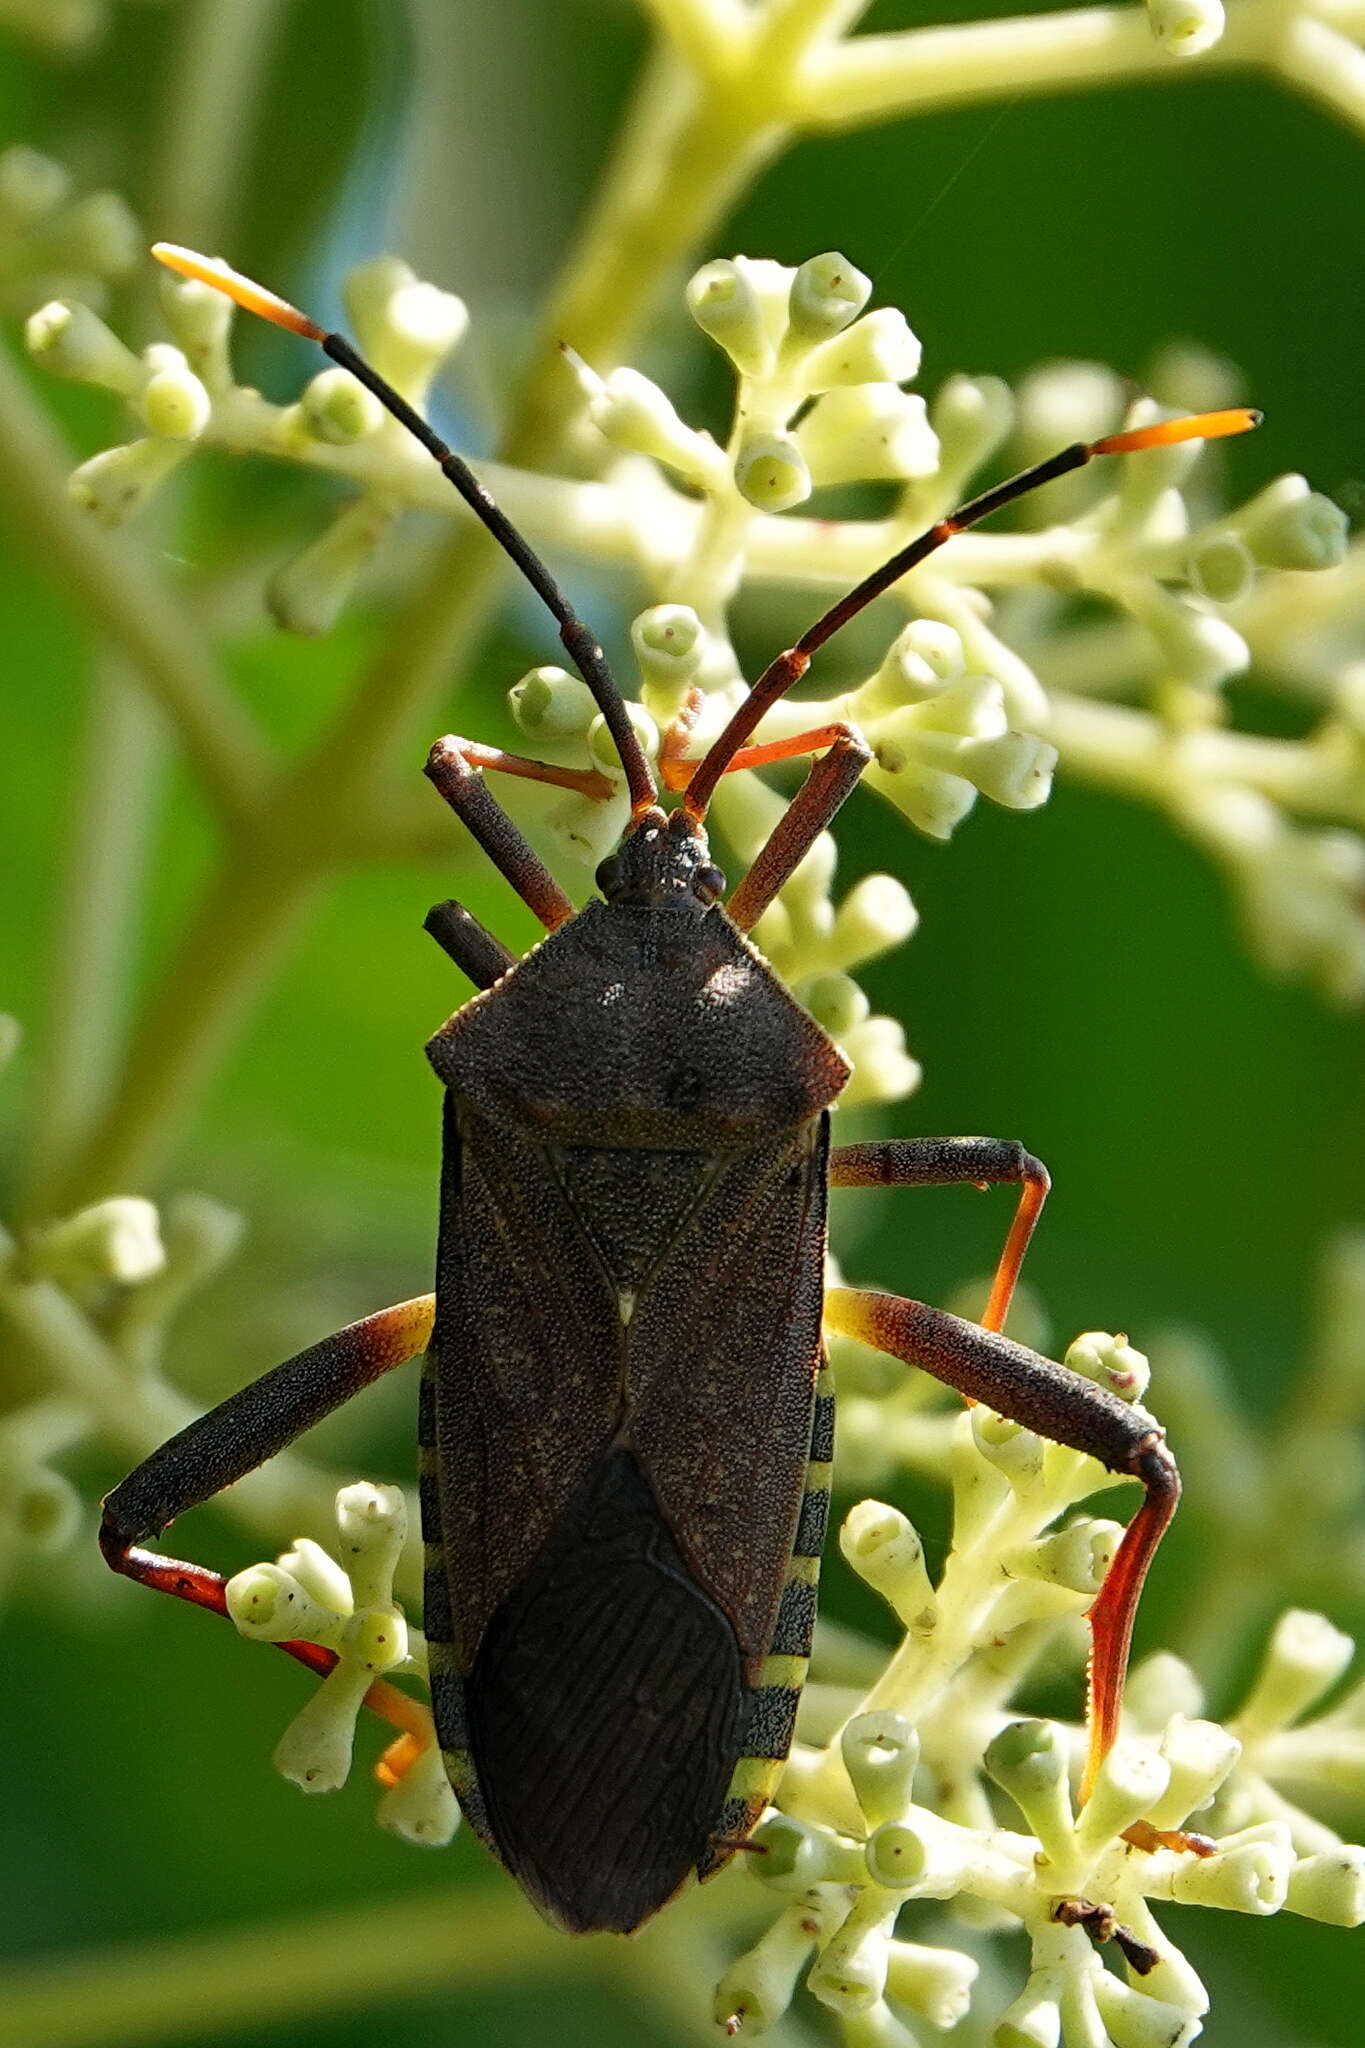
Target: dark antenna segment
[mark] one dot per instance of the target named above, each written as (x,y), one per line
(579,640)
(790,666)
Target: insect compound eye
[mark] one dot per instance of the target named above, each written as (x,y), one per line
(709,883)
(609,875)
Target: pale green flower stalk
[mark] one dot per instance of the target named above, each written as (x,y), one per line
(914,1779)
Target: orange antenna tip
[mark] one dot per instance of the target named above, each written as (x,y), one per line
(1200,426)
(253,297)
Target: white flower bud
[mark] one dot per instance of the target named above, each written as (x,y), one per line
(920,1851)
(308,594)
(670,643)
(268,1605)
(1251,1878)
(935,802)
(868,432)
(1067,401)
(850,1973)
(1305,1658)
(1221,569)
(1287,526)
(421,1808)
(1200,1755)
(549,704)
(1014,769)
(770,471)
(1112,1362)
(878,349)
(118,482)
(372,1523)
(875,917)
(883,1071)
(934,1982)
(602,747)
(1035,2018)
(406,327)
(880,1753)
(1129,1782)
(315,1750)
(757,1989)
(1186,28)
(585,830)
(1160,1688)
(200,318)
(725,303)
(885,1550)
(835,1001)
(118,1239)
(30,184)
(173,403)
(633,413)
(376,1637)
(973,417)
(1028,1760)
(71,341)
(320,1576)
(1330,1886)
(796,1855)
(1016,1453)
(1134,2019)
(338,410)
(923,657)
(826,293)
(1076,1558)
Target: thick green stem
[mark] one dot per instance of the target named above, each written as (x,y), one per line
(105,870)
(239,933)
(125,603)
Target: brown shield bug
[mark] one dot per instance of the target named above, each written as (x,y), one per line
(626,1422)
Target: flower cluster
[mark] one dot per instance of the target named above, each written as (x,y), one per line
(892,1796)
(53,241)
(995,676)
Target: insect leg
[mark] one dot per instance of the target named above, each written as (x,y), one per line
(939,1162)
(832,777)
(1069,1409)
(461,784)
(241,1433)
(470,945)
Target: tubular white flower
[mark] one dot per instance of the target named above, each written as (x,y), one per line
(826,293)
(1186,28)
(866,432)
(173,401)
(878,349)
(71,341)
(771,472)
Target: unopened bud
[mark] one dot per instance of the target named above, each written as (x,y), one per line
(173,403)
(421,1808)
(878,349)
(866,433)
(118,482)
(549,704)
(1186,28)
(71,341)
(827,292)
(770,471)
(723,301)
(338,410)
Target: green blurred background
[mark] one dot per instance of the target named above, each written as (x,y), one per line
(1076,980)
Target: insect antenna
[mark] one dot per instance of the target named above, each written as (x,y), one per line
(790,666)
(578,638)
